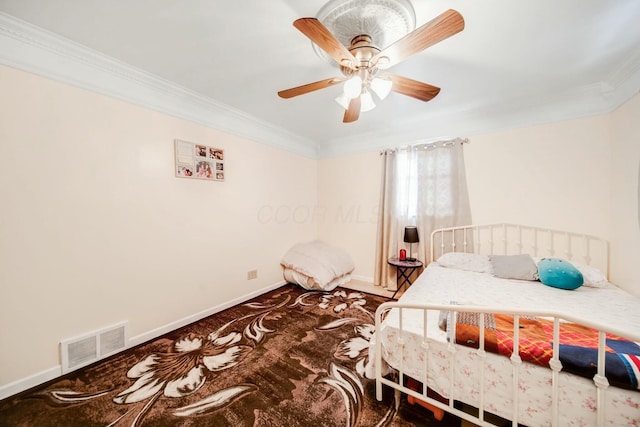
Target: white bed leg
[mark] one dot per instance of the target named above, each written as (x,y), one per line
(397,396)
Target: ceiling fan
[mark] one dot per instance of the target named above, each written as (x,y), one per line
(362,61)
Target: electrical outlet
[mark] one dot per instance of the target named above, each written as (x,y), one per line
(252,274)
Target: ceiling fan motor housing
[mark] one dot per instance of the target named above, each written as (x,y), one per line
(363,50)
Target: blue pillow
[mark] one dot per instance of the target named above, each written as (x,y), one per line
(559,273)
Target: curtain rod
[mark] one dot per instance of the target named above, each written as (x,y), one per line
(429,145)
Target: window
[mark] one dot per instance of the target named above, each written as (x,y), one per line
(425,183)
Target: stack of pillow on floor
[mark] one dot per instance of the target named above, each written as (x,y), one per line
(317,266)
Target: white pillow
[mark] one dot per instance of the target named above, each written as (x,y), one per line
(466,261)
(592,276)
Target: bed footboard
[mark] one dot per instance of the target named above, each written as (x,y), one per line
(394,330)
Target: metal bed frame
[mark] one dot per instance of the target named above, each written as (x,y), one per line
(504,239)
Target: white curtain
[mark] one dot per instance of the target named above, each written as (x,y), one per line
(425,186)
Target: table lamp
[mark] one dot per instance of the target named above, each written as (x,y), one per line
(411,237)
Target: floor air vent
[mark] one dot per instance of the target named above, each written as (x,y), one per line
(93,346)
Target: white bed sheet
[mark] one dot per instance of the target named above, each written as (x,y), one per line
(440,285)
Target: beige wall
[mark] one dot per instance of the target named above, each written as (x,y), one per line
(625,195)
(557,175)
(348,192)
(95,228)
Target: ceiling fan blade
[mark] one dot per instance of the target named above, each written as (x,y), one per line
(320,35)
(443,26)
(413,88)
(310,87)
(353,112)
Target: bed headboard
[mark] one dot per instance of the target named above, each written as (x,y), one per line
(511,239)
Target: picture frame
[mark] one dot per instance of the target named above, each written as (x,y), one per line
(199,161)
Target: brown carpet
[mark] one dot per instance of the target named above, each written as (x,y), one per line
(287,358)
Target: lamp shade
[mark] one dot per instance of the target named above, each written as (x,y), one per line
(411,234)
(353,87)
(381,87)
(366,102)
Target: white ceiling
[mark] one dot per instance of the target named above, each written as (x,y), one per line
(516,63)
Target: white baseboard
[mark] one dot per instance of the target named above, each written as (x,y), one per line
(30,381)
(154,333)
(362,278)
(26,383)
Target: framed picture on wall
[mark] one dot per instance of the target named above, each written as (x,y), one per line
(199,161)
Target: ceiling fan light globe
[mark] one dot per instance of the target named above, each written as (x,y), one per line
(343,100)
(366,102)
(382,87)
(353,87)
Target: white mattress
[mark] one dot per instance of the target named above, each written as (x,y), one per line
(439,285)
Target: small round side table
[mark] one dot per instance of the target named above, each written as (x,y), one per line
(404,271)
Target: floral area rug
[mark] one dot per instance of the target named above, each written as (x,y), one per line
(287,358)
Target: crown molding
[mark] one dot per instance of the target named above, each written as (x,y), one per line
(35,50)
(603,97)
(584,101)
(625,80)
